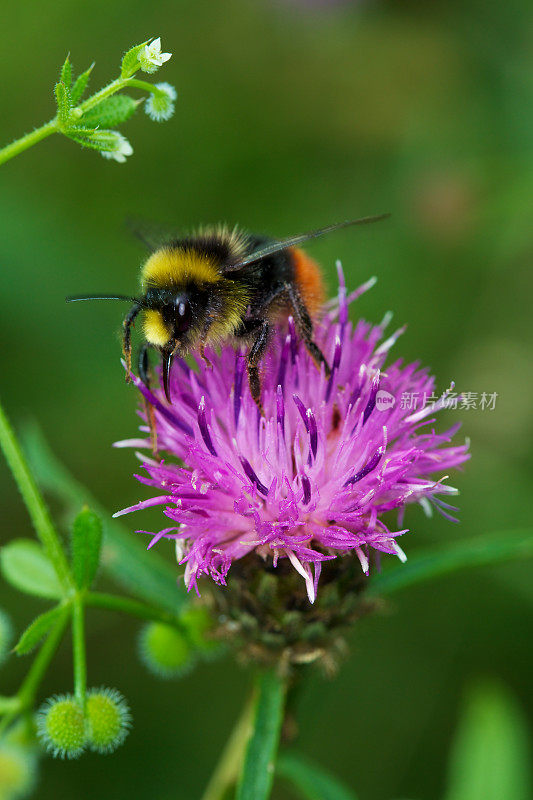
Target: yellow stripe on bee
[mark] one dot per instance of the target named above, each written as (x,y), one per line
(155,330)
(173,267)
(236,302)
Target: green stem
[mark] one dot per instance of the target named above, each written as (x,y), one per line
(26,694)
(78,649)
(258,766)
(9,704)
(134,608)
(34,502)
(19,145)
(111,88)
(229,765)
(135,83)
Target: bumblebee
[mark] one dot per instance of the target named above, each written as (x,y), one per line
(222,284)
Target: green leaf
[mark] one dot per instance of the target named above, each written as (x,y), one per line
(313,782)
(25,565)
(494,548)
(63,104)
(490,755)
(38,629)
(257,773)
(86,544)
(124,557)
(80,84)
(66,73)
(111,112)
(130,62)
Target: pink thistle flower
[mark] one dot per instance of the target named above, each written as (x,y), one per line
(309,481)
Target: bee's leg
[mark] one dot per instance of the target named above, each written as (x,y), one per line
(144,375)
(144,365)
(304,326)
(253,358)
(126,337)
(203,342)
(205,359)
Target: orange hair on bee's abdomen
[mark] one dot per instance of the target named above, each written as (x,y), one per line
(308,278)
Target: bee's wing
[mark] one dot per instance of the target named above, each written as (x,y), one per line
(293,241)
(151,234)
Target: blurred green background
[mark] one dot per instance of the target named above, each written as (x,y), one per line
(290,115)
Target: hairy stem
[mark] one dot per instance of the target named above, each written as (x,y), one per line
(19,145)
(34,502)
(111,88)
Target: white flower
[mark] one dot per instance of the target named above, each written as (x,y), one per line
(160,105)
(119,148)
(151,58)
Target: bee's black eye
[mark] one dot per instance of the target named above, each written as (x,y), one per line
(183,315)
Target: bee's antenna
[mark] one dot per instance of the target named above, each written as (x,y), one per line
(292,241)
(77,297)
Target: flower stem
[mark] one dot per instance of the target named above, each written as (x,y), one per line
(258,766)
(135,83)
(229,765)
(107,91)
(128,605)
(34,502)
(19,145)
(9,704)
(78,648)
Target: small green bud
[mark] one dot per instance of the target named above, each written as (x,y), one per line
(61,726)
(18,766)
(108,719)
(165,651)
(199,624)
(6,636)
(160,104)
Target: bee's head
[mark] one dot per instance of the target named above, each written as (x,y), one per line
(174,318)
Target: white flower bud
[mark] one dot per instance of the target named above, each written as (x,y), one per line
(119,148)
